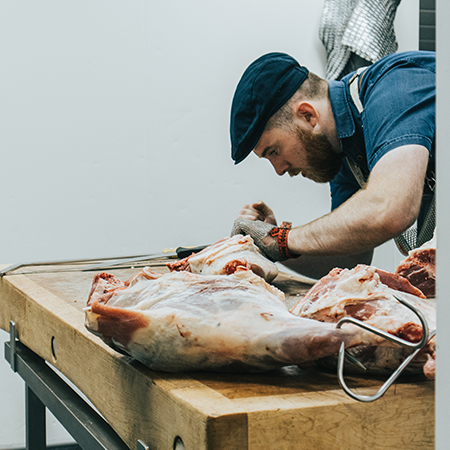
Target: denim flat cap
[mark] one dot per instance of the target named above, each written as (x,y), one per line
(266,85)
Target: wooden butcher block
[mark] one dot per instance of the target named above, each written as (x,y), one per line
(283,410)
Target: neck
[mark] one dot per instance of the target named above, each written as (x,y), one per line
(328,125)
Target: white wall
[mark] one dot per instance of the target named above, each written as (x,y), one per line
(443,166)
(114,130)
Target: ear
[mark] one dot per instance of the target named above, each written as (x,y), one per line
(307,114)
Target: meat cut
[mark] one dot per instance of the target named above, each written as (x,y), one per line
(368,294)
(183,321)
(419,268)
(226,256)
(214,312)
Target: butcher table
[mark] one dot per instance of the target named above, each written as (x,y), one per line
(282,410)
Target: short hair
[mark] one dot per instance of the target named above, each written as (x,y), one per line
(313,88)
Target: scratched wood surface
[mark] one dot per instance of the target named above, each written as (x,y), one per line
(286,409)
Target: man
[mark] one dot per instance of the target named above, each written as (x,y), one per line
(371,135)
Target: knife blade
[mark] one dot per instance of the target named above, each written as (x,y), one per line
(178,252)
(175,253)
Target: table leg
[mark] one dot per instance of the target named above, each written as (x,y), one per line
(35,424)
(46,389)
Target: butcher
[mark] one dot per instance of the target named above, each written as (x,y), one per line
(371,136)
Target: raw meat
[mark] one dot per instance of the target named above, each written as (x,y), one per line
(226,256)
(360,293)
(182,321)
(419,268)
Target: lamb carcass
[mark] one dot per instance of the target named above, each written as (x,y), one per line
(226,256)
(419,268)
(368,294)
(182,321)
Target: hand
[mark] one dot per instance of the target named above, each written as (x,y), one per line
(264,235)
(257,211)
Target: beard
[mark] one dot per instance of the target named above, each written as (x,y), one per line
(324,163)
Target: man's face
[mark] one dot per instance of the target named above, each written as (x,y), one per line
(298,151)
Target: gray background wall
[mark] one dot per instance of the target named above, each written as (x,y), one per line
(443,220)
(114,131)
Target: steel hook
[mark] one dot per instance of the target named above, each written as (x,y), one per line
(386,385)
(426,336)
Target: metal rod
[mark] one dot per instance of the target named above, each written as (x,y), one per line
(13,267)
(124,262)
(354,361)
(12,340)
(160,262)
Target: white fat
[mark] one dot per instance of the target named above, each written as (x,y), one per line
(359,285)
(212,260)
(146,293)
(351,286)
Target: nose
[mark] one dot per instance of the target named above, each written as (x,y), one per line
(280,167)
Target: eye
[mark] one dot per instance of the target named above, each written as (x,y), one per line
(273,152)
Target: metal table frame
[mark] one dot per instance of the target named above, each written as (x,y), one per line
(44,388)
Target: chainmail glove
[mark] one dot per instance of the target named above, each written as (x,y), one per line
(270,239)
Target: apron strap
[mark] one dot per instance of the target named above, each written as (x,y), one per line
(355,83)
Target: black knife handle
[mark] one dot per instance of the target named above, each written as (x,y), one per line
(184,252)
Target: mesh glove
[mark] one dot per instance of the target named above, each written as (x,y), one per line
(270,239)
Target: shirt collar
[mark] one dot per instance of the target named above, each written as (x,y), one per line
(339,98)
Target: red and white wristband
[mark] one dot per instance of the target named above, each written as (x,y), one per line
(281,234)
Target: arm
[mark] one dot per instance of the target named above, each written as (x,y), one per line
(318,266)
(387,206)
(258,225)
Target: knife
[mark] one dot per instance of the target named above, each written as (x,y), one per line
(178,252)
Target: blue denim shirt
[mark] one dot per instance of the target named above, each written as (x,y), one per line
(398,96)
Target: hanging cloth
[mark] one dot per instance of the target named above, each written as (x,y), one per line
(356,33)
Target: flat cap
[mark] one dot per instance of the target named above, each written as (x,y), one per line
(266,85)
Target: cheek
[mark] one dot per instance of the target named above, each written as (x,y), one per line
(297,156)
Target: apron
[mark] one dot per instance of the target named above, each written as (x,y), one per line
(411,238)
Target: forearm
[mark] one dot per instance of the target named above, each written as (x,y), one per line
(318,266)
(357,226)
(387,206)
